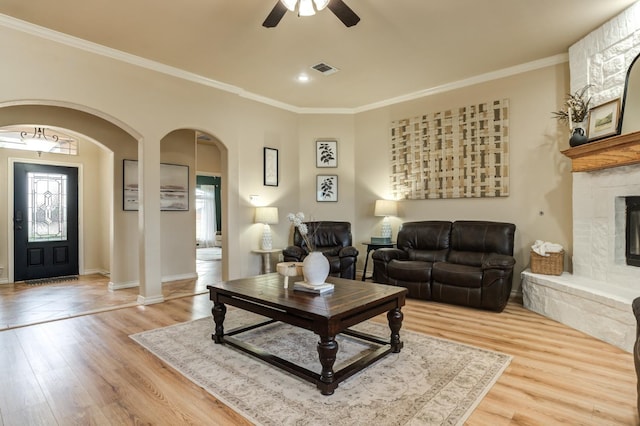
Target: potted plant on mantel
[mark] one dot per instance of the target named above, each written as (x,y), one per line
(575,115)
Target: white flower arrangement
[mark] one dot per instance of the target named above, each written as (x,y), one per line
(298,221)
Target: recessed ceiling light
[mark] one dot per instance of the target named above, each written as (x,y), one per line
(302,78)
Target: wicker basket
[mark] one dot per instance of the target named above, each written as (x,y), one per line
(548,265)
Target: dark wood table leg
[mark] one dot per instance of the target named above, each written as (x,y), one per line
(395,317)
(219,310)
(327,349)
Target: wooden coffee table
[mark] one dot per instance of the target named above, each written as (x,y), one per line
(328,315)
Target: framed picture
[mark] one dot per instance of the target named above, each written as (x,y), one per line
(603,120)
(270,167)
(174,186)
(326,153)
(326,188)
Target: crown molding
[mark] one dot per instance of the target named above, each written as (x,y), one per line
(482,78)
(118,55)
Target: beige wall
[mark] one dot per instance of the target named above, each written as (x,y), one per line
(208,158)
(179,227)
(148,106)
(142,107)
(329,126)
(540,182)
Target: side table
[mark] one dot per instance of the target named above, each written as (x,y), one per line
(371,247)
(266,258)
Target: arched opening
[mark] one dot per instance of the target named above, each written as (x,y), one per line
(100,144)
(109,242)
(183,220)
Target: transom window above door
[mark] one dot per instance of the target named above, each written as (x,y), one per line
(39,139)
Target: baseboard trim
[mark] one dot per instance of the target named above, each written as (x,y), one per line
(150,300)
(95,271)
(180,277)
(119,286)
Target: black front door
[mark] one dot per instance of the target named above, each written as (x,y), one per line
(45,221)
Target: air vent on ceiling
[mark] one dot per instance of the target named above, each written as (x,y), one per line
(325,69)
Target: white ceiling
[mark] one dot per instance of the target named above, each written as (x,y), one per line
(399,48)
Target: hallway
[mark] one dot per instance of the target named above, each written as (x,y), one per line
(24,304)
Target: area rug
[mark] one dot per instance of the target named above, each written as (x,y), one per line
(209,253)
(430,382)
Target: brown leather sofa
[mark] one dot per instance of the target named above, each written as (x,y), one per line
(334,240)
(466,263)
(636,348)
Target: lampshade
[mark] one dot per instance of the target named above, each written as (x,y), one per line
(266,215)
(386,208)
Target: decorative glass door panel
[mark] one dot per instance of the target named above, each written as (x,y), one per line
(47,209)
(45,221)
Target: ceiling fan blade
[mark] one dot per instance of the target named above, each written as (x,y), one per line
(343,12)
(275,16)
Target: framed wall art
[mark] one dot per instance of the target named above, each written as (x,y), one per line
(461,152)
(270,167)
(326,188)
(174,186)
(326,153)
(603,120)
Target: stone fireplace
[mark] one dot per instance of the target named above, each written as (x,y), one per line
(596,298)
(632,236)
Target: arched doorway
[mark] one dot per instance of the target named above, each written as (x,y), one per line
(204,156)
(99,140)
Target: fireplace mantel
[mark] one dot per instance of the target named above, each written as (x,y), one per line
(615,151)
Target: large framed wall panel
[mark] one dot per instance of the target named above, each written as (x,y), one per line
(459,153)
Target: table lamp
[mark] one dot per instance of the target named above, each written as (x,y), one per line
(386,208)
(267,216)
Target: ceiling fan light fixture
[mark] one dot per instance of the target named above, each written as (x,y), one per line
(321,4)
(306,8)
(290,4)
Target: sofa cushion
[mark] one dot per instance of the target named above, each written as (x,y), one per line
(425,240)
(410,270)
(482,236)
(471,258)
(457,275)
(427,255)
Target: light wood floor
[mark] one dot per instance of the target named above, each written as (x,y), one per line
(86,370)
(26,304)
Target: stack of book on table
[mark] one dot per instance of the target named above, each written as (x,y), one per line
(311,288)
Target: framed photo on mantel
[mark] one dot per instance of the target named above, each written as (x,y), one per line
(603,120)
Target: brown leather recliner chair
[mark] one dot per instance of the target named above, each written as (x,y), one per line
(466,263)
(334,240)
(636,348)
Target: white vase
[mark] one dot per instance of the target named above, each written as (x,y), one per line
(315,268)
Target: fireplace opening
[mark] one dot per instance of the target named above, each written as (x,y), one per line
(632,233)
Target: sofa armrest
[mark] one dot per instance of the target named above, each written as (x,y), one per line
(294,254)
(348,251)
(386,255)
(498,261)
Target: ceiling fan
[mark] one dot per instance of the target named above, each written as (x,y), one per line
(310,7)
